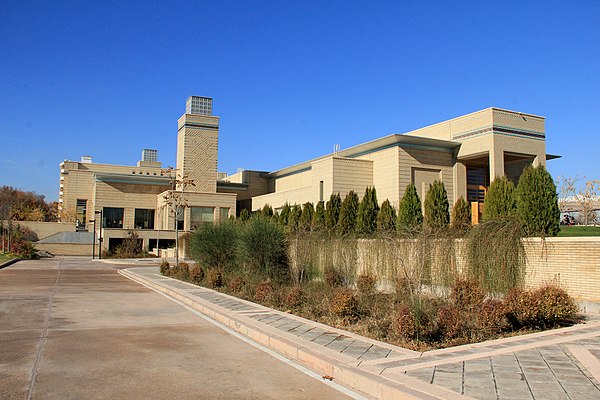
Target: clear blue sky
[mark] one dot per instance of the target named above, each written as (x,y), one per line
(289,78)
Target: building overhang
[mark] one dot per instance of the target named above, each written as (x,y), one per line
(132,179)
(373,146)
(552,157)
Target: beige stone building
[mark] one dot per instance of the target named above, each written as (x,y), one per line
(465,153)
(124,198)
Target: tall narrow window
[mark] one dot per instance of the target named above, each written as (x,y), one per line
(321,190)
(81,212)
(224,213)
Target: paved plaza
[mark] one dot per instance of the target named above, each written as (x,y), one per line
(73,328)
(76,329)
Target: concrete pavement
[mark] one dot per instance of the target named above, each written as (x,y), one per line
(73,328)
(557,364)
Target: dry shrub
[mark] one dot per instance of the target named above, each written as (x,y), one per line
(196,274)
(365,283)
(467,294)
(404,322)
(264,292)
(294,298)
(543,307)
(181,271)
(165,268)
(333,277)
(236,284)
(214,278)
(405,288)
(450,321)
(491,317)
(553,305)
(344,305)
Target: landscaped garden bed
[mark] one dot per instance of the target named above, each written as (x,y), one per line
(420,281)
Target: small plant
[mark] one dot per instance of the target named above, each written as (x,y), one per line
(181,271)
(365,283)
(196,274)
(404,322)
(554,305)
(333,277)
(264,292)
(467,294)
(344,305)
(491,316)
(450,321)
(294,298)
(236,284)
(165,268)
(214,278)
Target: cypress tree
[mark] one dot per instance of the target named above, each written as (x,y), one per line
(332,210)
(348,211)
(294,217)
(437,215)
(461,215)
(306,217)
(267,211)
(410,215)
(318,221)
(366,222)
(500,199)
(284,215)
(244,214)
(386,220)
(537,202)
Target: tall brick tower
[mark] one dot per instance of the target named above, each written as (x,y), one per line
(198,144)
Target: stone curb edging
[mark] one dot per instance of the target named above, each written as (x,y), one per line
(345,370)
(9,262)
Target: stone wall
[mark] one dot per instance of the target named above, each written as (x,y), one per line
(572,263)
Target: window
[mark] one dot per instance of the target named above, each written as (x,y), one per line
(81,212)
(144,219)
(180,218)
(321,190)
(224,213)
(112,217)
(201,215)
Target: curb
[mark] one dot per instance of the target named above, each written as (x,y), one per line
(343,368)
(9,262)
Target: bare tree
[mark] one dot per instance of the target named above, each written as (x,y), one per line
(586,197)
(177,201)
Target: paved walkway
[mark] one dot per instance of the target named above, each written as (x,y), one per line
(558,364)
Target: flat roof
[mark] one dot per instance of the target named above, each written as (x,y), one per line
(371,146)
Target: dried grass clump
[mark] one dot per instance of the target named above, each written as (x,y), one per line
(214,278)
(264,291)
(294,298)
(344,305)
(365,283)
(196,274)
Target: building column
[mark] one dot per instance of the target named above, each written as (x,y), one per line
(496,163)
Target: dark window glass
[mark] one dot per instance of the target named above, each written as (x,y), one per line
(144,219)
(112,217)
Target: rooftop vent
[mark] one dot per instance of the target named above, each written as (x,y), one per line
(86,159)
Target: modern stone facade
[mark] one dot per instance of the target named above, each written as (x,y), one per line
(465,153)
